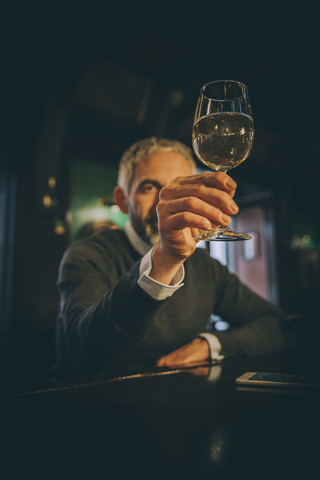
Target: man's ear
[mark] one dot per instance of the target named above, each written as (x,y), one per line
(120,199)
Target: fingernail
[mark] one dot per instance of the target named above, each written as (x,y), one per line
(230,183)
(233,207)
(225,218)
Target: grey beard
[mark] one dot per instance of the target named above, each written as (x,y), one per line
(147,229)
(151,235)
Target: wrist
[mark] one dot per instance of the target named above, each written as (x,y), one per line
(164,266)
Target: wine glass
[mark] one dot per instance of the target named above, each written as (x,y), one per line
(222,135)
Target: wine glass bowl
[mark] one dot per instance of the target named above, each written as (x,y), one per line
(222,135)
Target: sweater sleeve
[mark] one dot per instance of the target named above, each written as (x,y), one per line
(104,313)
(257,326)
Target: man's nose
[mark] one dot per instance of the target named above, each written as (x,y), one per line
(156,199)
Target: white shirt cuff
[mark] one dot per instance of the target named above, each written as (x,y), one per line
(214,345)
(155,289)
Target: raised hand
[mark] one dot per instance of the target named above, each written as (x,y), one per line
(187,206)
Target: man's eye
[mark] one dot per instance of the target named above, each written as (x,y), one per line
(148,188)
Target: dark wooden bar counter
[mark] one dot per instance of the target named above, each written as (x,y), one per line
(189,423)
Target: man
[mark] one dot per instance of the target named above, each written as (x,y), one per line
(143,296)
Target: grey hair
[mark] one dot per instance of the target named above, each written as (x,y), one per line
(141,150)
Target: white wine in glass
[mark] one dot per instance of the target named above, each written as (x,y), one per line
(222,135)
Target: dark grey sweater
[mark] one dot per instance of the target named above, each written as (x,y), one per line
(108,322)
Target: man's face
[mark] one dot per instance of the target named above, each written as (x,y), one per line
(155,172)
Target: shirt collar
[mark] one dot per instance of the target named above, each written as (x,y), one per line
(138,244)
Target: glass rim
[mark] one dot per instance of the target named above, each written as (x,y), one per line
(241,84)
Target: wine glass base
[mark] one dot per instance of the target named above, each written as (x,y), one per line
(223,235)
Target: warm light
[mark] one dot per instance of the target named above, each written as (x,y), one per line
(306,239)
(47,201)
(52,182)
(59,228)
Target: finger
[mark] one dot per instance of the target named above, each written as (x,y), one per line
(173,360)
(195,206)
(163,362)
(195,352)
(182,220)
(169,359)
(191,193)
(213,179)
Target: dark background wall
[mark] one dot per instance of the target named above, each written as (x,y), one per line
(86,84)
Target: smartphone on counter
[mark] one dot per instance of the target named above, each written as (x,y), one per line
(261,379)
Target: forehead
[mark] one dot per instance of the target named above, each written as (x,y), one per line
(162,166)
